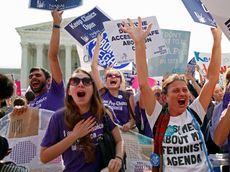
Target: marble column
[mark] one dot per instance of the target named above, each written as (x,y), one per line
(24,66)
(39,48)
(68,66)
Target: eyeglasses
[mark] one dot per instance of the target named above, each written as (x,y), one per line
(75,81)
(110,75)
(36,75)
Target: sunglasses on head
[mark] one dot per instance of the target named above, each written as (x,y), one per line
(110,75)
(75,81)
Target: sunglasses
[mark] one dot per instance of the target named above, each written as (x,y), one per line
(110,75)
(75,81)
(157,94)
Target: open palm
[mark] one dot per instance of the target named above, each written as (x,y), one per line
(136,32)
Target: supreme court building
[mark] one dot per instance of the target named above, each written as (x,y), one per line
(35,43)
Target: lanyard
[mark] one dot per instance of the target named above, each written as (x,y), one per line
(197,127)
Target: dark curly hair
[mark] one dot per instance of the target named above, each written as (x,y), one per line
(6,87)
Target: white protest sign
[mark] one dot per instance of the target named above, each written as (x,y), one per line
(203,60)
(24,134)
(221,13)
(123,46)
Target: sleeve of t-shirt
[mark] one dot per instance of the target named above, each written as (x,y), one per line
(153,117)
(198,108)
(51,135)
(111,124)
(216,117)
(57,89)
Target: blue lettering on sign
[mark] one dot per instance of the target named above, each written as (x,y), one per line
(198,58)
(106,57)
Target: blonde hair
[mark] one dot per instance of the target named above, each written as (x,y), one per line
(171,79)
(123,84)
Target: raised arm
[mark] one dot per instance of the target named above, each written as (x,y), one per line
(213,70)
(54,47)
(138,35)
(94,63)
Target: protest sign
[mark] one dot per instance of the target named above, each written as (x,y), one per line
(87,26)
(198,12)
(135,85)
(203,60)
(221,13)
(176,59)
(24,134)
(106,56)
(138,149)
(191,67)
(123,45)
(54,4)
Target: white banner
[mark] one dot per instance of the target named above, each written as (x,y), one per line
(123,46)
(24,134)
(221,13)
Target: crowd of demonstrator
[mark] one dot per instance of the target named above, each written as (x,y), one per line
(187,118)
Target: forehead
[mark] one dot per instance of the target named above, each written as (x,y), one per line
(113,71)
(37,71)
(177,84)
(80,74)
(218,87)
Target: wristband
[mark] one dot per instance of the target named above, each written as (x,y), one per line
(119,157)
(56,26)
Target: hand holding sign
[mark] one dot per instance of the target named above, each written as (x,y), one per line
(217,33)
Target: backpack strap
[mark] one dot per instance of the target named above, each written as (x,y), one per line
(195,115)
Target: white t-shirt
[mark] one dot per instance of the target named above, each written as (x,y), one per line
(182,147)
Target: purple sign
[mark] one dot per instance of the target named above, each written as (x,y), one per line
(55,4)
(86,27)
(198,12)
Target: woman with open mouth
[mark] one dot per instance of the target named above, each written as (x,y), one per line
(121,102)
(178,142)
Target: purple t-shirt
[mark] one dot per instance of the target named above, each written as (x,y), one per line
(73,157)
(118,105)
(53,99)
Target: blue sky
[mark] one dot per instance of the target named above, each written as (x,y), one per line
(170,15)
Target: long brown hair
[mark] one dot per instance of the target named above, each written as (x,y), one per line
(73,116)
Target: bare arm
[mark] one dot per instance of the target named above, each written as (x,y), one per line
(213,70)
(138,35)
(131,124)
(115,164)
(223,128)
(194,83)
(54,47)
(94,67)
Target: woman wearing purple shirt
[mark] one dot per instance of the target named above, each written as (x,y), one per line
(113,95)
(73,131)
